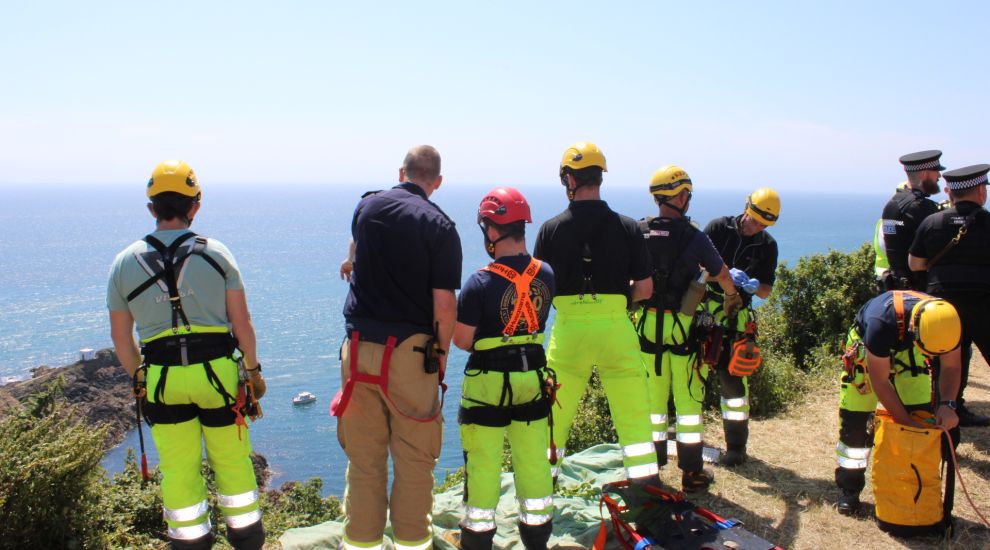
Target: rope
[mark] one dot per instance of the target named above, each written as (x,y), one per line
(955,464)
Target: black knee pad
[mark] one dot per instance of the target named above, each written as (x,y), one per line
(535,537)
(251,537)
(202,543)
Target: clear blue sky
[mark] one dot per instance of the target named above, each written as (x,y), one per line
(792,94)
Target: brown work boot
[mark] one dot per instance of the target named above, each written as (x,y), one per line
(697,481)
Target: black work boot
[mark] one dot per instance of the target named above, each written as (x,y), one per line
(661,447)
(202,543)
(476,540)
(734,456)
(698,480)
(969,419)
(535,537)
(251,537)
(848,503)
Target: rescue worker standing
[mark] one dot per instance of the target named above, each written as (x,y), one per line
(400,315)
(751,254)
(887,352)
(595,253)
(501,314)
(903,214)
(184,292)
(953,246)
(677,249)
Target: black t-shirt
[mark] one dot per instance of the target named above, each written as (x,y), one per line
(683,250)
(618,250)
(877,324)
(900,220)
(965,267)
(405,247)
(487,300)
(756,254)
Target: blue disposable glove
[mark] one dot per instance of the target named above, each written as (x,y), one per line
(744,281)
(739,277)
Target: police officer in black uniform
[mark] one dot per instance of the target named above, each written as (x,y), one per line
(904,213)
(953,246)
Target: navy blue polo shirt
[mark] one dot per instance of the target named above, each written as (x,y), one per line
(487,300)
(405,247)
(877,324)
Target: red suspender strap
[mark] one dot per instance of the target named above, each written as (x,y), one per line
(343,397)
(524,304)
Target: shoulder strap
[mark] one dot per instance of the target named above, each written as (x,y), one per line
(524,304)
(970,220)
(899,309)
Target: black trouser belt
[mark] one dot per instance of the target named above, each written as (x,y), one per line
(187,349)
(520,358)
(499,417)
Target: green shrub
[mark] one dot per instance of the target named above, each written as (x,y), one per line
(48,464)
(593,421)
(813,304)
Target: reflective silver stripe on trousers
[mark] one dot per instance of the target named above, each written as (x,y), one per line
(245,519)
(560,453)
(238,501)
(852,452)
(851,463)
(689,420)
(188,513)
(658,418)
(534,519)
(536,504)
(735,415)
(689,437)
(642,470)
(191,532)
(478,526)
(474,512)
(660,436)
(735,402)
(638,449)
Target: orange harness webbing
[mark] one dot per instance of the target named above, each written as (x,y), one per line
(899,309)
(524,304)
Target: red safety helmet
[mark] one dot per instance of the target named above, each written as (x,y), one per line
(504,205)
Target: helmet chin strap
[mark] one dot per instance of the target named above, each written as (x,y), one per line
(565,183)
(490,244)
(666,202)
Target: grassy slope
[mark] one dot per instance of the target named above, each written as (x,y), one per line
(786,492)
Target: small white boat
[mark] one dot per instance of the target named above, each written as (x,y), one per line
(303,397)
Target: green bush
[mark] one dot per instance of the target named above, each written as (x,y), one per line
(48,464)
(593,421)
(813,304)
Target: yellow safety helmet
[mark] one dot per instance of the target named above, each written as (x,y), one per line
(936,327)
(764,205)
(583,154)
(173,176)
(670,180)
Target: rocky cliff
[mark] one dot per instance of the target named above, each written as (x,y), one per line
(99,389)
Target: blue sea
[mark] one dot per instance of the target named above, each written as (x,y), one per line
(57,242)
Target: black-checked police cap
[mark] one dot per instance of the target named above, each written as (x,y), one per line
(922,160)
(964,178)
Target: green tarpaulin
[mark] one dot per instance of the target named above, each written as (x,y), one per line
(575,523)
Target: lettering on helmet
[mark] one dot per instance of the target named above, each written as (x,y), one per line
(678,175)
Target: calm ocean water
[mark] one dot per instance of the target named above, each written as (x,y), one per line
(56,245)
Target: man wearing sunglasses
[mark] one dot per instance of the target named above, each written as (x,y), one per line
(888,352)
(751,253)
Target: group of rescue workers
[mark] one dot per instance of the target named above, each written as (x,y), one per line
(652,305)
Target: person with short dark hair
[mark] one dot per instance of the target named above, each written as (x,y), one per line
(508,390)
(400,315)
(184,292)
(953,247)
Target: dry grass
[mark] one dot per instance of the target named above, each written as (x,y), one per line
(786,492)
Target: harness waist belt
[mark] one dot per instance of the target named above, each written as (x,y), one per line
(188,349)
(520,358)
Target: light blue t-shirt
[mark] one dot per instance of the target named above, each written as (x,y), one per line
(201,288)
